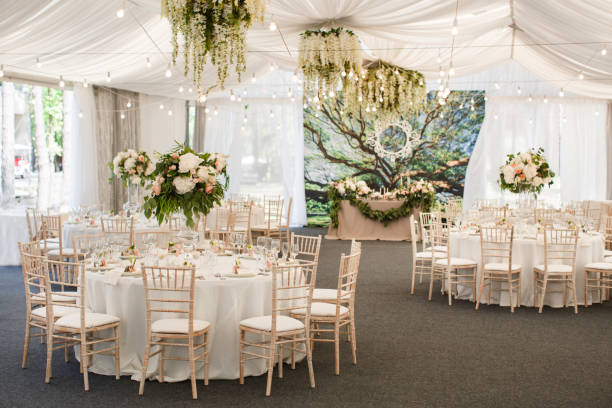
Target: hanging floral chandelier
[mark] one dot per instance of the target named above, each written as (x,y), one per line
(212,30)
(386,91)
(329,59)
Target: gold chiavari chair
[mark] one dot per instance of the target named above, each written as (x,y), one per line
(241,213)
(122,227)
(292,287)
(422,262)
(308,247)
(594,217)
(86,244)
(545,216)
(329,295)
(283,232)
(427,220)
(88,329)
(171,290)
(608,239)
(338,313)
(51,228)
(559,266)
(273,210)
(495,212)
(32,218)
(497,267)
(222,222)
(156,238)
(458,271)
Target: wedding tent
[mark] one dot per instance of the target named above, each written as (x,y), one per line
(504,142)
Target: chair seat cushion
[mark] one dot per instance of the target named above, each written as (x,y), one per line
(50,246)
(599,265)
(321,309)
(264,323)
(428,254)
(65,251)
(58,311)
(73,321)
(180,326)
(499,266)
(328,294)
(68,297)
(555,268)
(456,262)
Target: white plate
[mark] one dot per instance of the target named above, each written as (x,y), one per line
(130,274)
(240,275)
(130,257)
(99,268)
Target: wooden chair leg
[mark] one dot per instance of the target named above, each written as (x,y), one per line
(413,276)
(241,356)
(353,339)
(586,289)
(26,344)
(206,359)
(431,281)
(50,356)
(293,346)
(85,359)
(511,294)
(117,354)
(145,363)
(194,390)
(309,360)
(162,353)
(482,281)
(337,348)
(280,350)
(574,294)
(543,295)
(271,354)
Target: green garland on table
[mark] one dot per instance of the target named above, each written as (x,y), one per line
(424,199)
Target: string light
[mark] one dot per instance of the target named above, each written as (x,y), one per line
(272,66)
(61,82)
(497,86)
(271,114)
(206,110)
(129,103)
(122,115)
(272,26)
(190,90)
(161,106)
(454,30)
(245,120)
(343,74)
(169,113)
(202,98)
(180,89)
(581,76)
(232,96)
(273,95)
(121,10)
(451,71)
(148,61)
(253,79)
(168,71)
(496,117)
(38,63)
(216,112)
(239,98)
(80,114)
(545,99)
(604,51)
(518,90)
(292,99)
(529,99)
(561,93)
(294,78)
(85,83)
(108,77)
(331,94)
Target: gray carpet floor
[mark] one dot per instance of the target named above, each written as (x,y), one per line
(411,352)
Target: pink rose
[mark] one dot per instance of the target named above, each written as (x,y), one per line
(141,158)
(156,189)
(175,156)
(132,171)
(209,188)
(139,169)
(173,167)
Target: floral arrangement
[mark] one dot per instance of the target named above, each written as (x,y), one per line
(212,29)
(419,194)
(186,181)
(328,59)
(132,167)
(526,172)
(386,91)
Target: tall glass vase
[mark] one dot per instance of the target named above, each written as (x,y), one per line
(131,207)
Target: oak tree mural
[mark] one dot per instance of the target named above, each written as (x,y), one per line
(335,147)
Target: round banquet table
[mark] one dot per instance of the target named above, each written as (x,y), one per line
(223,302)
(527,252)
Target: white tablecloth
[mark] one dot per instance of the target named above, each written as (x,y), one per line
(13,229)
(70,229)
(528,253)
(223,303)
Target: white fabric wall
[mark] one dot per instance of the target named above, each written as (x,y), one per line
(158,130)
(571,130)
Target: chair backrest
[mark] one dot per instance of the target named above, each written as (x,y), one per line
(347,279)
(83,244)
(355,246)
(594,217)
(608,232)
(496,245)
(169,290)
(292,288)
(440,234)
(427,219)
(69,277)
(544,216)
(273,211)
(308,247)
(413,242)
(158,238)
(240,215)
(119,226)
(496,212)
(560,247)
(33,219)
(51,227)
(34,278)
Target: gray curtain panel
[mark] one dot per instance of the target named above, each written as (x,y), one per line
(114,134)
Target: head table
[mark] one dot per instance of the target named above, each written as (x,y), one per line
(220,299)
(527,252)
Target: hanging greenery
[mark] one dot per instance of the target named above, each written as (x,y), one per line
(212,29)
(329,59)
(386,91)
(420,194)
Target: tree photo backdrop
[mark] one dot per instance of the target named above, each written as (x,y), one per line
(335,147)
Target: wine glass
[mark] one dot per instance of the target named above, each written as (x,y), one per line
(286,251)
(275,246)
(295,251)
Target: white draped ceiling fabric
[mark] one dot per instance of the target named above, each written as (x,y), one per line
(554,40)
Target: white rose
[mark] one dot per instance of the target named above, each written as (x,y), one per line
(135,180)
(526,156)
(129,163)
(537,181)
(508,172)
(187,162)
(183,184)
(340,189)
(530,171)
(205,171)
(519,166)
(350,185)
(150,168)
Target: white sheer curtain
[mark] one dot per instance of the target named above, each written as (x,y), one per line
(571,130)
(267,151)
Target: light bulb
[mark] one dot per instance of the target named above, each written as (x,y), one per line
(530,98)
(216,111)
(496,117)
(350,74)
(148,60)
(561,93)
(253,79)
(316,99)
(604,51)
(129,103)
(202,98)
(367,109)
(485,98)
(363,75)
(343,74)
(518,90)
(273,95)
(420,82)
(360,99)
(441,72)
(442,115)
(168,71)
(181,89)
(294,78)
(206,110)
(331,94)
(271,114)
(380,99)
(161,106)
(396,72)
(454,30)
(581,76)
(472,108)
(382,88)
(169,113)
(190,90)
(545,99)
(438,60)
(80,114)
(245,120)
(232,96)
(596,113)
(239,98)
(497,86)
(85,83)
(61,82)
(290,92)
(305,106)
(122,115)
(120,12)
(271,67)
(108,77)
(209,118)
(451,71)
(292,99)
(272,26)
(242,128)
(38,63)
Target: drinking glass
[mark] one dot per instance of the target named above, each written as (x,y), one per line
(294,251)
(275,246)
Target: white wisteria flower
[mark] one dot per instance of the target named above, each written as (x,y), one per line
(187,162)
(183,185)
